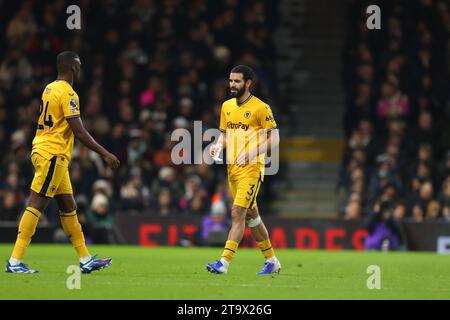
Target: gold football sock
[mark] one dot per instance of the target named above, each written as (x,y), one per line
(72,228)
(230,249)
(266,249)
(27,228)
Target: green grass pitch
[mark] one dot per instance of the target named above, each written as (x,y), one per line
(178,273)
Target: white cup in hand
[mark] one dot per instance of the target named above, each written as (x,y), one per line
(215,152)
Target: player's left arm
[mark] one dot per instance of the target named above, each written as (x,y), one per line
(272,141)
(71,110)
(269,137)
(84,136)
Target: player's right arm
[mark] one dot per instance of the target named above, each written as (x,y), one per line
(83,135)
(216,148)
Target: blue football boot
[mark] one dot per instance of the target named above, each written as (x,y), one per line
(95,264)
(217,267)
(270,267)
(19,268)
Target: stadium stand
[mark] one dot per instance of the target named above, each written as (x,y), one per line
(397,117)
(148,67)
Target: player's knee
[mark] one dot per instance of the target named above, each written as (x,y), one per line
(66,205)
(68,209)
(254,222)
(37,202)
(252,213)
(238,213)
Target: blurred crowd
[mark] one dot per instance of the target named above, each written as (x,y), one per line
(397,121)
(148,67)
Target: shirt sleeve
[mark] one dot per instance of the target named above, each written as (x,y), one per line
(223,120)
(266,119)
(70,105)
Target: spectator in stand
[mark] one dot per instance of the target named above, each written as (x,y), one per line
(368,139)
(215,225)
(425,132)
(101,219)
(192,187)
(400,211)
(384,177)
(384,230)
(444,169)
(165,206)
(444,199)
(134,195)
(433,210)
(393,103)
(421,201)
(353,210)
(167,179)
(412,102)
(9,207)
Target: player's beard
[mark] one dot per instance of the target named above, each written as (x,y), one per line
(239,93)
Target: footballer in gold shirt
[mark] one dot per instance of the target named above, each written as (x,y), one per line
(248,131)
(53,143)
(58,124)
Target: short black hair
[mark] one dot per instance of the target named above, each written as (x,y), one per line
(65,60)
(246,71)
